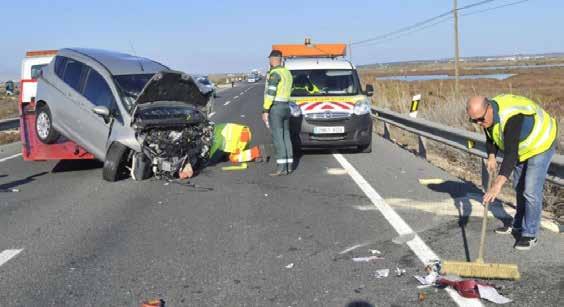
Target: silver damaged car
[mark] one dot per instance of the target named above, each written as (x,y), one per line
(134,114)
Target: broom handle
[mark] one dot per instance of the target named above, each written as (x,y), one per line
(480,258)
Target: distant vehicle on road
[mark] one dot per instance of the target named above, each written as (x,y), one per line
(206,86)
(251,79)
(124,109)
(333,109)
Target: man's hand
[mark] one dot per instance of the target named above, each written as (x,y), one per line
(265,119)
(494,190)
(491,164)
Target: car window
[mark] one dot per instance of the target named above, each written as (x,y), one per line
(73,72)
(60,62)
(131,86)
(97,91)
(36,70)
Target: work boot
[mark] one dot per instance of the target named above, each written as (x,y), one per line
(526,243)
(507,230)
(281,170)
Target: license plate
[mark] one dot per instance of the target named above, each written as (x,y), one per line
(328,130)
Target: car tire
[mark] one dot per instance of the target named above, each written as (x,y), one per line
(114,164)
(365,148)
(44,125)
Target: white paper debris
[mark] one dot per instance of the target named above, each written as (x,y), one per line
(382,273)
(400,272)
(427,280)
(366,259)
(289,266)
(491,294)
(375,251)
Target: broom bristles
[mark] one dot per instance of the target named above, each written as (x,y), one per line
(481,270)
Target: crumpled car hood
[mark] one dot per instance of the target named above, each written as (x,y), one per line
(170,85)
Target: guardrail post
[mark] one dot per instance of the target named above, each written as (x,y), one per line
(485,174)
(422,147)
(387,135)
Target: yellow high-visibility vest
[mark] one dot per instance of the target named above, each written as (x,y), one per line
(543,133)
(278,86)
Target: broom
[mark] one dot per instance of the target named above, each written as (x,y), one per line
(478,268)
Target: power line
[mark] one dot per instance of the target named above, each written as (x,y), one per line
(440,20)
(421,23)
(494,8)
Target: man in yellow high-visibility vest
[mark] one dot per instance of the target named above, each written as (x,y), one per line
(276,112)
(526,134)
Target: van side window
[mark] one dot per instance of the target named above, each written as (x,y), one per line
(97,91)
(73,72)
(60,62)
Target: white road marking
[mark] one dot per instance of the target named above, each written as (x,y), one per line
(235,97)
(211,114)
(10,157)
(227,103)
(423,252)
(241,93)
(8,254)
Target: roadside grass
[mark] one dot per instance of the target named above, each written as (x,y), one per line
(8,106)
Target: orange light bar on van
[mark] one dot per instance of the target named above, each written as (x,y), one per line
(38,53)
(312,50)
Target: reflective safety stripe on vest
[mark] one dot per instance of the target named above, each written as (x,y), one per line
(544,130)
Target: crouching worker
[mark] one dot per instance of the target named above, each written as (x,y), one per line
(526,134)
(231,141)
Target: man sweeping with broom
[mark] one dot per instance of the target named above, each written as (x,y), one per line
(527,136)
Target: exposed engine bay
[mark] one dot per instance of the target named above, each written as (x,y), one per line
(166,152)
(171,127)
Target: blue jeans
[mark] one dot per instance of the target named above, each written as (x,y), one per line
(528,182)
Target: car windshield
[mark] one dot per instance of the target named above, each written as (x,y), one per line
(204,81)
(324,82)
(131,86)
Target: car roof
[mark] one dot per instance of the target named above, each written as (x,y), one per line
(317,63)
(116,62)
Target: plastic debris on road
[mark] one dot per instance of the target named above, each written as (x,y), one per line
(400,272)
(431,181)
(241,167)
(153,303)
(422,296)
(375,252)
(491,294)
(367,259)
(383,273)
(289,266)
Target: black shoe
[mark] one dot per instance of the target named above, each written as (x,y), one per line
(507,230)
(526,243)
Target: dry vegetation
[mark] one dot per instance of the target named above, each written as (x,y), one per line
(440,104)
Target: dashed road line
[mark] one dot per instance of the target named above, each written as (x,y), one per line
(8,254)
(235,97)
(241,93)
(211,114)
(10,157)
(227,102)
(423,252)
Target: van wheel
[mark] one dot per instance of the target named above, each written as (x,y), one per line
(365,148)
(114,164)
(44,125)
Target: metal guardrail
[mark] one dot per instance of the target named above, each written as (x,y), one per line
(464,140)
(10,123)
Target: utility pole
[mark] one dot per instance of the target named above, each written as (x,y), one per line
(456,49)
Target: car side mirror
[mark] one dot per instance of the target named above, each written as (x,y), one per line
(369,90)
(103,112)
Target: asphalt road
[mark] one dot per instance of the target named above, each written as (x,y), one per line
(242,238)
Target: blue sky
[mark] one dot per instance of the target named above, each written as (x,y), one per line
(228,36)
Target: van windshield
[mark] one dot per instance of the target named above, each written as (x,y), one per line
(131,86)
(324,82)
